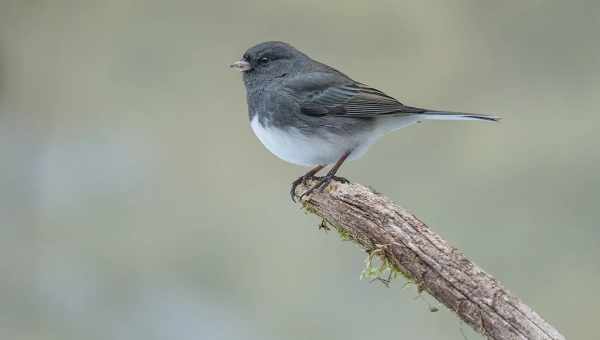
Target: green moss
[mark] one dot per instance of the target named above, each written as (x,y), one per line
(344,234)
(308,208)
(377,266)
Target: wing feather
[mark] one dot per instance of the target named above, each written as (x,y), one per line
(320,94)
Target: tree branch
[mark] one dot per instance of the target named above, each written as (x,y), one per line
(399,238)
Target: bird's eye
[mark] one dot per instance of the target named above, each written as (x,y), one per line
(264,60)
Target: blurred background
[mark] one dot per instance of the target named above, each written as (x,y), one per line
(136,203)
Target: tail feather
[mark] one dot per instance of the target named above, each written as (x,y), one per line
(447,115)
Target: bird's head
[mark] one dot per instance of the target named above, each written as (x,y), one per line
(268,61)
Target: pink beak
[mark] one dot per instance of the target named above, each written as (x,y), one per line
(241,66)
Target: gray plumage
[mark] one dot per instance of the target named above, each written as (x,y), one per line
(309,113)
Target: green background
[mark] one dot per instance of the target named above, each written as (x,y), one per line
(136,203)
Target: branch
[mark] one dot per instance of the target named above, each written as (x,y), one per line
(384,229)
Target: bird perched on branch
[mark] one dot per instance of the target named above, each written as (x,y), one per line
(308,113)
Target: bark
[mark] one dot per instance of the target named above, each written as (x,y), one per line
(379,225)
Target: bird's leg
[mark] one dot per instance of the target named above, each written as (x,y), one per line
(302,179)
(323,181)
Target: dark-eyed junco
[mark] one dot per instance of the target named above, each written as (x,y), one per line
(311,114)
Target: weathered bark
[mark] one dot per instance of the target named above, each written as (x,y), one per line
(376,223)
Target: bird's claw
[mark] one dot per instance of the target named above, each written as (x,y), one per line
(296,183)
(322,184)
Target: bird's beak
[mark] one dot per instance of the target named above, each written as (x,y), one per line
(241,66)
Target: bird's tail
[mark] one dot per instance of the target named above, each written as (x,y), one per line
(447,115)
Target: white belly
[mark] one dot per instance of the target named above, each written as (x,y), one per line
(294,147)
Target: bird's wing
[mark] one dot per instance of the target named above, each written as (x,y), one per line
(322,93)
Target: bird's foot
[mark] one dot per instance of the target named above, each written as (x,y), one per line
(297,182)
(322,184)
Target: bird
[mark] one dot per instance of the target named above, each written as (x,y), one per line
(310,114)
